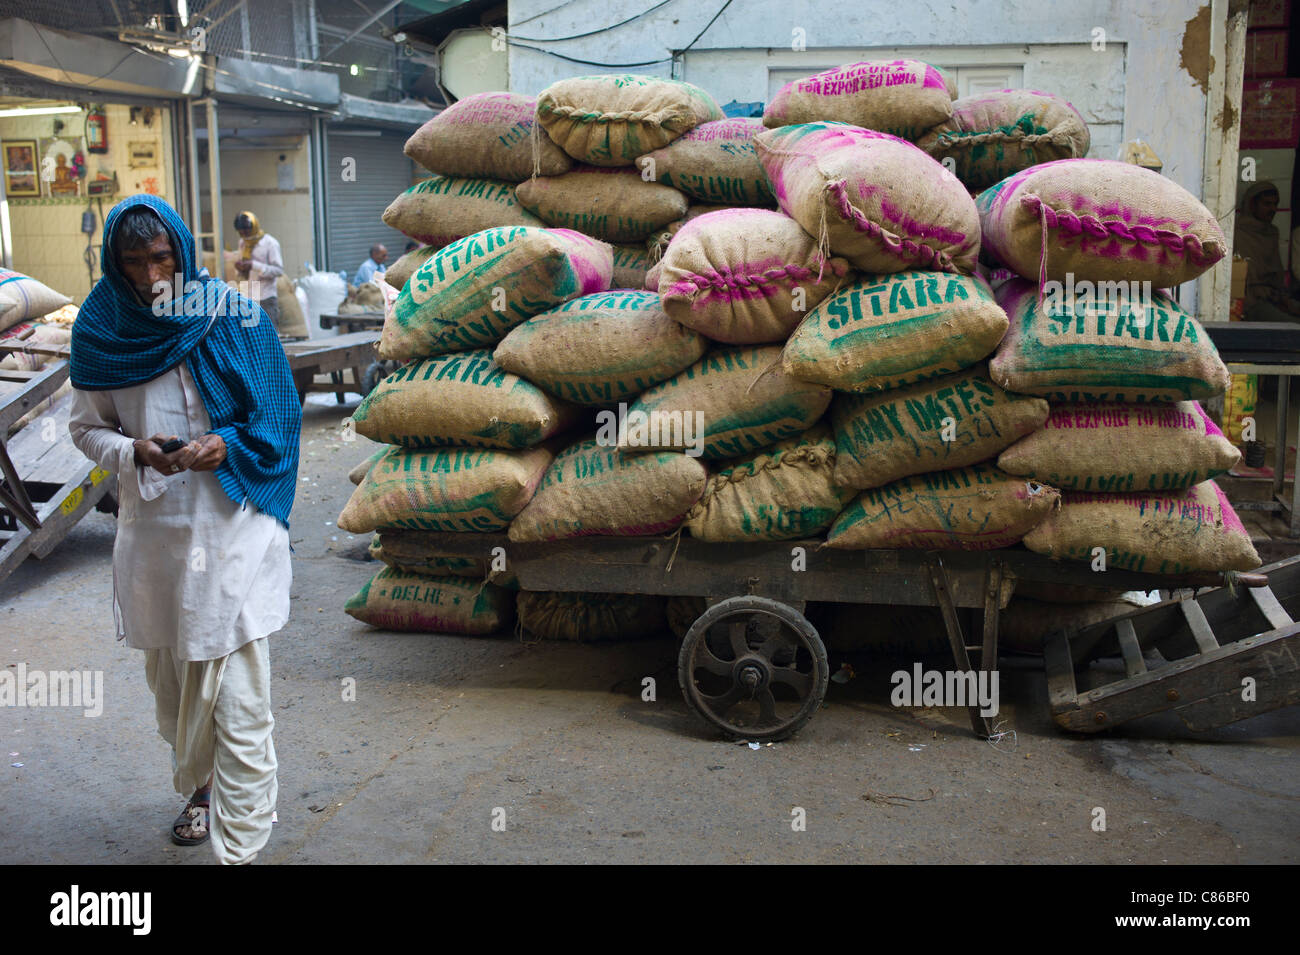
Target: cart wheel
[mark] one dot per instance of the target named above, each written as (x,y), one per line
(753,667)
(373,376)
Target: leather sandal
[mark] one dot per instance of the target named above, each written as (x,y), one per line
(197,817)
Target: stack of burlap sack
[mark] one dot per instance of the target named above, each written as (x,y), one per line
(634,316)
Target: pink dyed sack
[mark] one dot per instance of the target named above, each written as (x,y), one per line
(1193,530)
(487,134)
(1119,448)
(1099,220)
(745,276)
(878,201)
(900,97)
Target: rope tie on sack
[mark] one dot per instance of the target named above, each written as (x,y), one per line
(676,538)
(1057,137)
(536,143)
(810,457)
(658,117)
(917,254)
(762,374)
(1071,223)
(718,281)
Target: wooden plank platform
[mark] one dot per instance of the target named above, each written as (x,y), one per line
(332,356)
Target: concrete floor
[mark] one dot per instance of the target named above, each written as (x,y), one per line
(446,730)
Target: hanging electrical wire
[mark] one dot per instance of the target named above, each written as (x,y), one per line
(579,36)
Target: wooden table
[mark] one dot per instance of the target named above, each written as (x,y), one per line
(356,322)
(332,356)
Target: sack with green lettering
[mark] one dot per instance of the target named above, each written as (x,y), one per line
(745,276)
(940,424)
(405,267)
(630,265)
(461,399)
(900,97)
(995,134)
(732,402)
(715,162)
(421,552)
(1122,448)
(784,492)
(593,490)
(615,205)
(873,198)
(447,489)
(487,134)
(441,209)
(395,600)
(1175,533)
(588,618)
(888,331)
(601,349)
(971,508)
(362,468)
(471,293)
(1100,220)
(612,119)
(1132,352)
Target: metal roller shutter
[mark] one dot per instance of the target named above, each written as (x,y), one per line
(353,209)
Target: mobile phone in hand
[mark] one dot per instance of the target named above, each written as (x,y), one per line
(175,444)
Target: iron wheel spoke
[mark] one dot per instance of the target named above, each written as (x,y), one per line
(766,705)
(720,704)
(801,683)
(736,634)
(706,659)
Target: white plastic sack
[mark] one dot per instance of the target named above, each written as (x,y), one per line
(325,293)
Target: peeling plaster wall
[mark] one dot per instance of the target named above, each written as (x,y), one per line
(1137,88)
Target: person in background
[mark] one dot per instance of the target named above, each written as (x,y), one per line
(1256,238)
(412,244)
(201,562)
(378,256)
(259,264)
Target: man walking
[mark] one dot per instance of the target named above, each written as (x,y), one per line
(201,571)
(259,264)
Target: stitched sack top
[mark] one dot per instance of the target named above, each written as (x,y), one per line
(873,198)
(487,134)
(997,134)
(611,120)
(1101,220)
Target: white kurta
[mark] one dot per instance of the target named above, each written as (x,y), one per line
(193,572)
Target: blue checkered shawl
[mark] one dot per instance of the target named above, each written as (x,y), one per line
(228,344)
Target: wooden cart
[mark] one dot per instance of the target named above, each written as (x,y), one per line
(333,356)
(752,664)
(46,484)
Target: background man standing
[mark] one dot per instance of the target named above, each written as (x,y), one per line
(201,561)
(260,264)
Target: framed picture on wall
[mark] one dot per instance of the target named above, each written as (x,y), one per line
(21,168)
(59,169)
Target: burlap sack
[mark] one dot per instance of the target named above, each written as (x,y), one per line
(936,425)
(394,600)
(362,468)
(657,244)
(972,508)
(714,163)
(442,209)
(400,271)
(460,399)
(588,618)
(1177,533)
(471,293)
(592,489)
(615,205)
(888,331)
(740,398)
(784,492)
(601,349)
(875,199)
(1098,219)
(23,298)
(1024,623)
(1142,353)
(900,97)
(993,135)
(745,276)
(1122,448)
(293,324)
(448,489)
(652,277)
(630,265)
(487,134)
(416,553)
(611,120)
